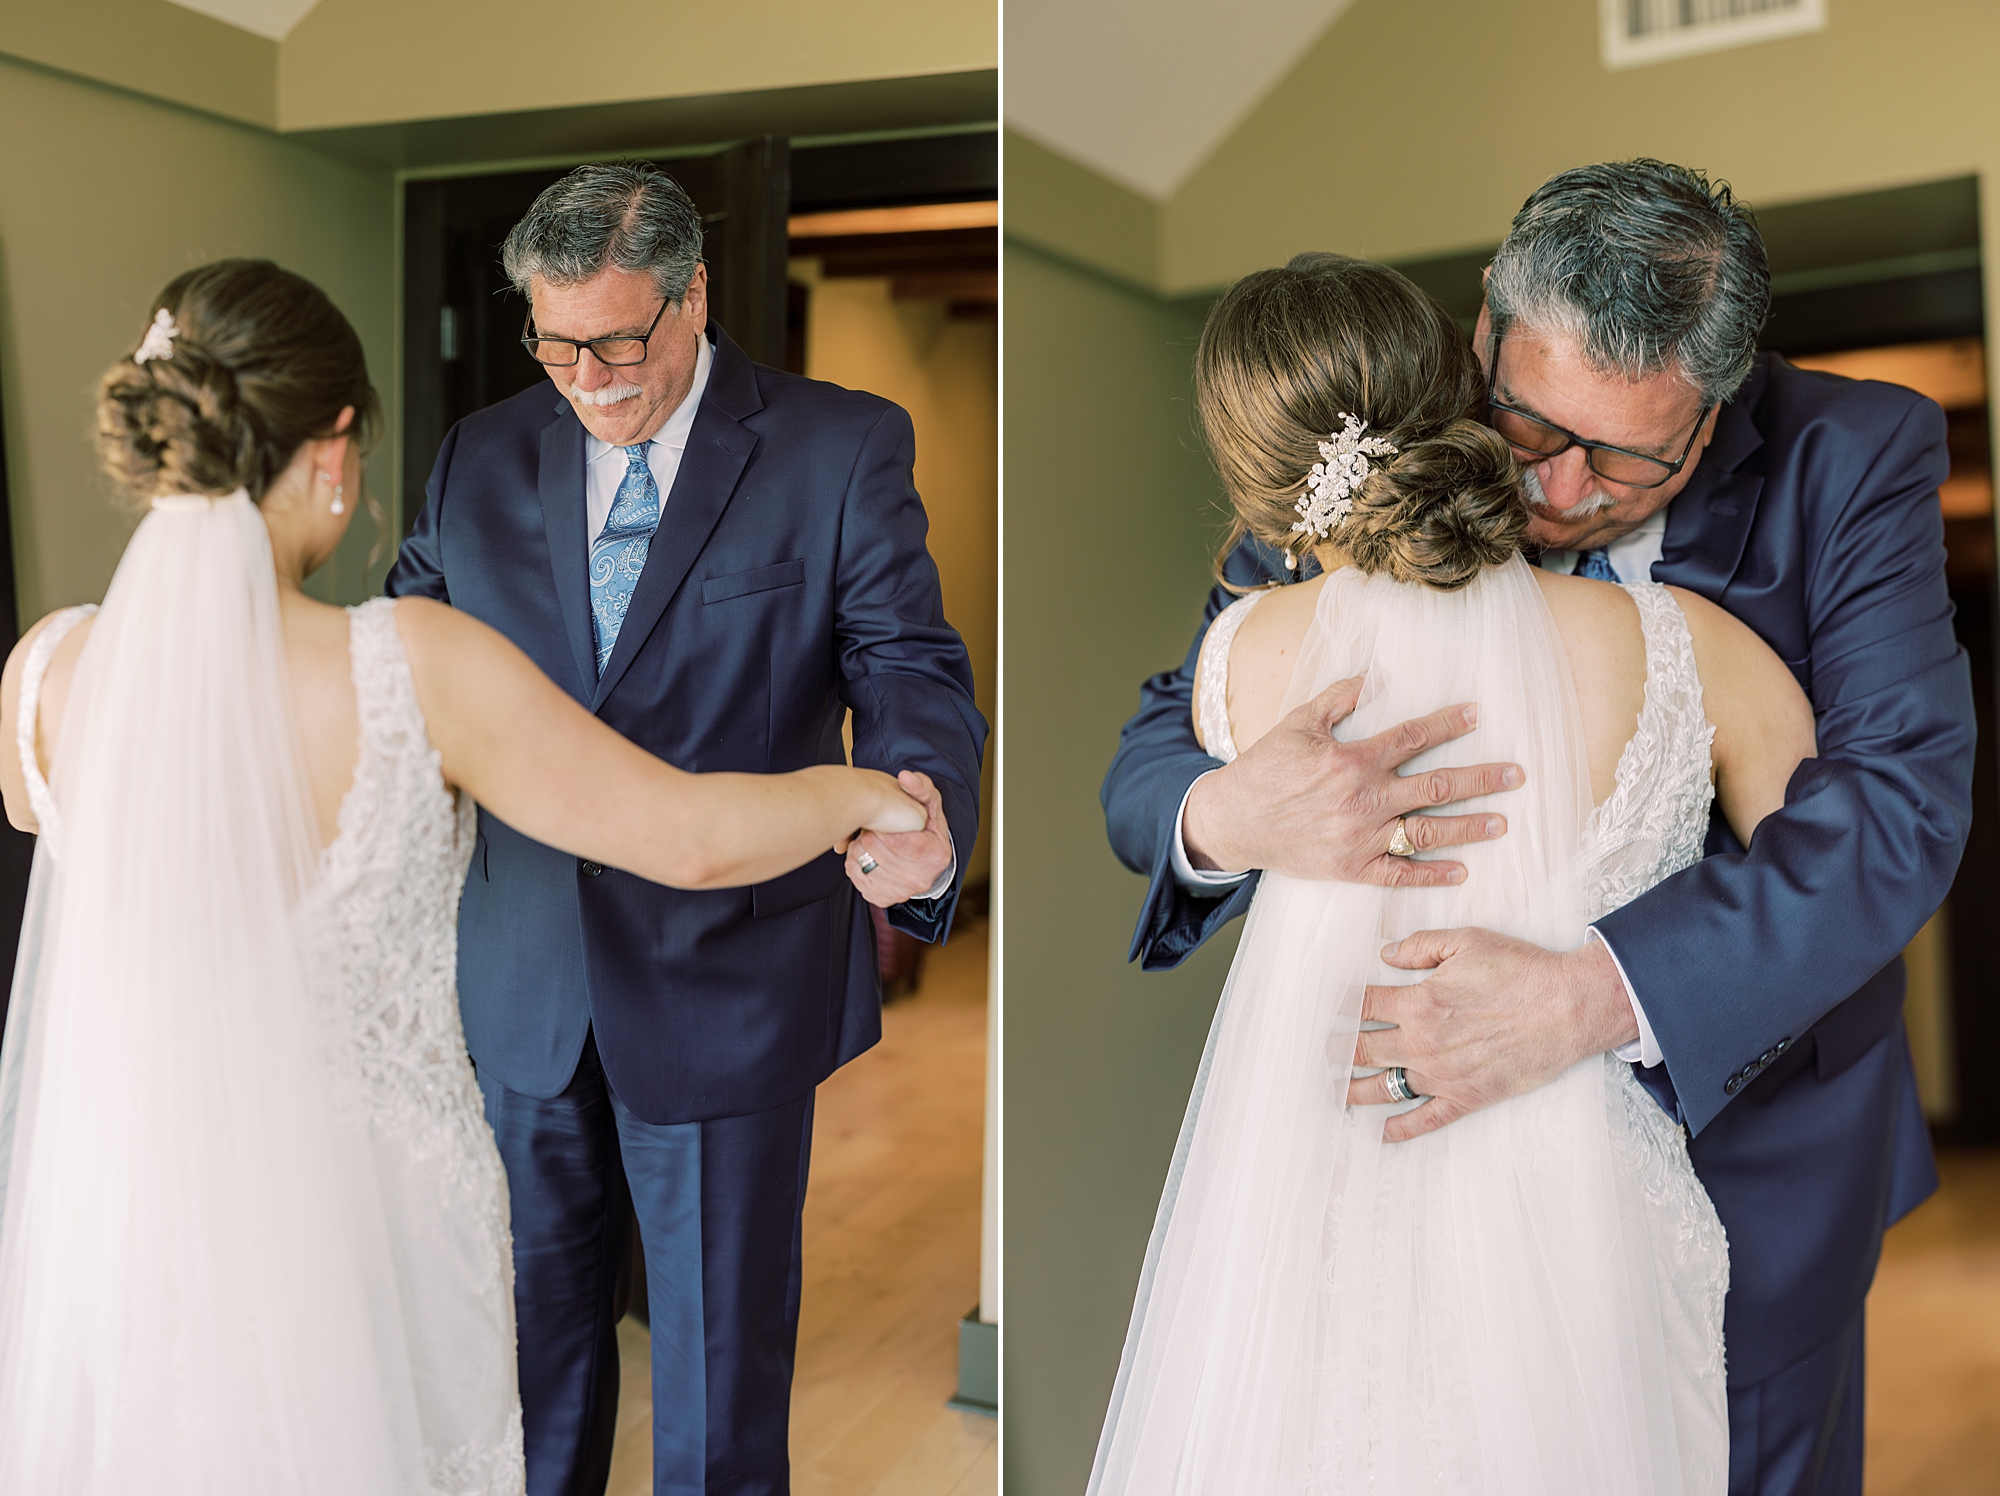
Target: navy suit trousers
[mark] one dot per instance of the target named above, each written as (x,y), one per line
(1799,1433)
(718,1205)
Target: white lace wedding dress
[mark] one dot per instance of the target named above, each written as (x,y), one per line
(253,1225)
(1525,1303)
(380,934)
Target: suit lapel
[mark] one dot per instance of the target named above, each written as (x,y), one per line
(1708,522)
(718,448)
(564,518)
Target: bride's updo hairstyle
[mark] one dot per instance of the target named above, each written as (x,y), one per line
(262,363)
(1286,353)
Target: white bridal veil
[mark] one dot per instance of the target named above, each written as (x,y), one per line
(196,1291)
(1473,1312)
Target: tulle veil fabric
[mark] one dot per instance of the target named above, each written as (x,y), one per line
(1474,1312)
(196,1286)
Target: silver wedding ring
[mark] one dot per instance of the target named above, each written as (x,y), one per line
(1397,1079)
(867,863)
(1400,844)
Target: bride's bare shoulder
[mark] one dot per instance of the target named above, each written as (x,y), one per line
(439,635)
(1262,656)
(1586,602)
(1599,625)
(1278,624)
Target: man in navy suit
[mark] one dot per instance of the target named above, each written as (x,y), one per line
(1760,991)
(721,561)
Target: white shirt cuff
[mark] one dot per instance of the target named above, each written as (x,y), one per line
(1645,1050)
(1192,878)
(937,889)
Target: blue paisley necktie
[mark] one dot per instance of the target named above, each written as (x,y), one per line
(1593,564)
(618,554)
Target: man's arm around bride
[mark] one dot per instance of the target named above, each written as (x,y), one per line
(1759,990)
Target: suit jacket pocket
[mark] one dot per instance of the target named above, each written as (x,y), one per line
(818,879)
(763,579)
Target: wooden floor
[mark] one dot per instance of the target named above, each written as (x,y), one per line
(1934,1341)
(891,1261)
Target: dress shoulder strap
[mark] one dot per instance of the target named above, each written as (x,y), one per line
(385,695)
(1214,704)
(398,775)
(1667,761)
(33,669)
(1673,685)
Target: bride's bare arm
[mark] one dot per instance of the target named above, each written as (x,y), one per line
(528,753)
(1763,722)
(55,691)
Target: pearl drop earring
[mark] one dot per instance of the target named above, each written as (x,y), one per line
(339,495)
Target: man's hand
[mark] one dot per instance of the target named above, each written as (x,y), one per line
(1496,1017)
(1300,802)
(907,863)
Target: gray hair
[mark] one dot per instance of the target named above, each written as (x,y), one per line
(1646,266)
(622,213)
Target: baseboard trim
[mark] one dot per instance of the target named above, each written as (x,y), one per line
(978,1368)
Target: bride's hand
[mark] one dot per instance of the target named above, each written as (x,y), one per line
(888,867)
(885,807)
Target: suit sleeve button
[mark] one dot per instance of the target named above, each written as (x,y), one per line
(1731,1086)
(592,869)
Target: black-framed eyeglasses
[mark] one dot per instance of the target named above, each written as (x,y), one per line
(621,351)
(1536,440)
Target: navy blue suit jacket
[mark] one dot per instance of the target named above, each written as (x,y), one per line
(1768,976)
(787,583)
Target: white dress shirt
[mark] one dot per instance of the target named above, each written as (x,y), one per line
(1631,555)
(604,465)
(604,468)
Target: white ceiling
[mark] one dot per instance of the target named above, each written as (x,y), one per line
(1144,90)
(272,18)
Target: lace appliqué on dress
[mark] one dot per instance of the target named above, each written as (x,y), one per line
(380,932)
(1656,820)
(1214,704)
(1654,825)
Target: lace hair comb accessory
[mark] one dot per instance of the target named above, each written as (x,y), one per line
(159,341)
(1331,485)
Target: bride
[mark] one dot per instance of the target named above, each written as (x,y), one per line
(1527,1302)
(253,1226)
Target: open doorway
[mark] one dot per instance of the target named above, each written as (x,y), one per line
(903,300)
(1887,285)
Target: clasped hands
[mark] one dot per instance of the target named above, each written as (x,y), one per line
(890,867)
(1496,1016)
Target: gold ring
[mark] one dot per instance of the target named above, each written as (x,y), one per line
(1399,841)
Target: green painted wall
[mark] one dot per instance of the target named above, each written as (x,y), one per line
(117,196)
(1108,524)
(1416,127)
(153,47)
(1070,211)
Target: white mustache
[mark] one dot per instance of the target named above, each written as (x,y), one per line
(611,394)
(1597,503)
